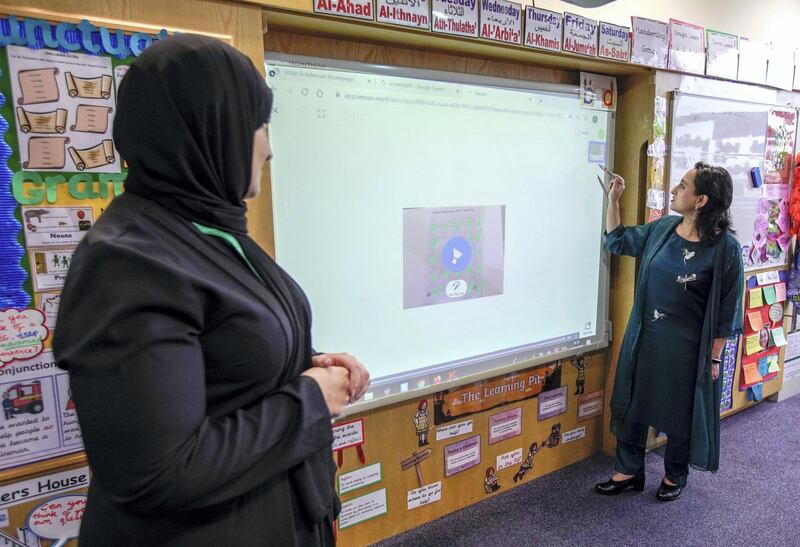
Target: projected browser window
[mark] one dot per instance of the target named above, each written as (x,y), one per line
(441,230)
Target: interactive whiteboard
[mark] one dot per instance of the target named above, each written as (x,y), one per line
(445,227)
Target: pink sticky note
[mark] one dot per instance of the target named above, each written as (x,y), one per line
(780,291)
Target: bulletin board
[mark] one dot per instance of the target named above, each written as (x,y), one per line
(59,170)
(741,136)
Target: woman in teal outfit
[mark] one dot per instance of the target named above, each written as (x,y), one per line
(688,302)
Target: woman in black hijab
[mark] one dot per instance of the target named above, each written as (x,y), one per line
(205,414)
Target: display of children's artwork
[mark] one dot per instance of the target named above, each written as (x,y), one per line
(763,331)
(771,227)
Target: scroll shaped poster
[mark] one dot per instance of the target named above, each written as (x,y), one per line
(89,88)
(54,121)
(94,157)
(64,109)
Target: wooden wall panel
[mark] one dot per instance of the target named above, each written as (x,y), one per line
(390,438)
(634,127)
(389,432)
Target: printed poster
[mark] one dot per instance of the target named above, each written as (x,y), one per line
(464,400)
(459,17)
(542,29)
(580,35)
(405,13)
(64,105)
(501,21)
(722,54)
(39,419)
(615,42)
(687,52)
(55,226)
(649,42)
(462,455)
(49,268)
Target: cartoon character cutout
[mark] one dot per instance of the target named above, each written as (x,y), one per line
(422,422)
(490,483)
(554,438)
(580,364)
(8,406)
(527,464)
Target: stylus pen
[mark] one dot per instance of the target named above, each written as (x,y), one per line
(606,171)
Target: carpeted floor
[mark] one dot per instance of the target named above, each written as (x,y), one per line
(752,500)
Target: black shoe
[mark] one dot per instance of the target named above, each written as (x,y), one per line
(612,487)
(668,492)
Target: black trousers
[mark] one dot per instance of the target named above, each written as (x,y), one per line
(630,458)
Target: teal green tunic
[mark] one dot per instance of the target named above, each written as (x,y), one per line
(663,371)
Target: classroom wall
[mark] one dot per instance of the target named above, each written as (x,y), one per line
(767,20)
(389,432)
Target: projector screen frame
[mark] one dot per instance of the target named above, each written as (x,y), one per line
(604,326)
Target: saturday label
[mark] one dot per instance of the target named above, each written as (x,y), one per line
(615,42)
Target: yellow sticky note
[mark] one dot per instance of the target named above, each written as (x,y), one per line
(751,375)
(773,364)
(756,319)
(753,344)
(777,337)
(755,298)
(769,294)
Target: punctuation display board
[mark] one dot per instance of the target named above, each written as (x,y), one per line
(741,136)
(60,169)
(442,227)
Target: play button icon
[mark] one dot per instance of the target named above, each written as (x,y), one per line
(456,254)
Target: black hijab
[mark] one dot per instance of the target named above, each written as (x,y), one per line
(186,113)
